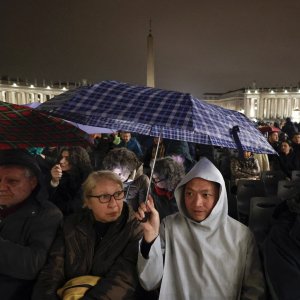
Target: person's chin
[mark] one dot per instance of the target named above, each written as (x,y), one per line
(199,216)
(113,216)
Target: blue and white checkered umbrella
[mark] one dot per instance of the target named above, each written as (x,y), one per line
(155,112)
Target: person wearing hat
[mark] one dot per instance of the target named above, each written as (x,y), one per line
(28,223)
(199,252)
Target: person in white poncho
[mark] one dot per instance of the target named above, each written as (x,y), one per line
(199,252)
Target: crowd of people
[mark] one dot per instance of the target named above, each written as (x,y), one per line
(78,219)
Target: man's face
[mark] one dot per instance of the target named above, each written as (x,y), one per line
(126,137)
(200,198)
(15,186)
(273,137)
(296,139)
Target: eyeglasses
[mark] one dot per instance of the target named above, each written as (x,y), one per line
(157,180)
(105,198)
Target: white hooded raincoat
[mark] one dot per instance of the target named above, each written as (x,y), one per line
(215,259)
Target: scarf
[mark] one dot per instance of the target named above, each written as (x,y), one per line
(163,192)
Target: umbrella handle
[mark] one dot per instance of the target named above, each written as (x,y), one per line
(234,131)
(151,175)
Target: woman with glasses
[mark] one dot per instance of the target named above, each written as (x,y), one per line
(102,240)
(167,174)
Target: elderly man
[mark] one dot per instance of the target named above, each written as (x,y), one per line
(199,252)
(28,224)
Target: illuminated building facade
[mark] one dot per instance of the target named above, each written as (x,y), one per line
(261,103)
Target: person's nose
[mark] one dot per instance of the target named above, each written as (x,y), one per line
(112,202)
(3,185)
(198,200)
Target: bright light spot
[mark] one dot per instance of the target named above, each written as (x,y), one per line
(14,84)
(64,89)
(256,92)
(272,92)
(48,87)
(31,86)
(285,91)
(249,92)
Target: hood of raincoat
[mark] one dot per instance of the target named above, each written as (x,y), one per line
(205,169)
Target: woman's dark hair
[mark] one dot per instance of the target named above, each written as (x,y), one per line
(121,157)
(170,170)
(80,163)
(287,142)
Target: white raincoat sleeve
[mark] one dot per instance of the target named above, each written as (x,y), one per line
(150,270)
(253,287)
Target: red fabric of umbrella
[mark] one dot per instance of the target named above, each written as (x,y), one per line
(24,127)
(268,128)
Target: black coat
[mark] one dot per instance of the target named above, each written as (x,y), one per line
(25,238)
(75,253)
(285,163)
(67,196)
(282,254)
(165,204)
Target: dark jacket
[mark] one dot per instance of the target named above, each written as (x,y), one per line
(136,188)
(25,238)
(244,168)
(164,202)
(75,253)
(282,253)
(287,163)
(134,146)
(289,128)
(67,196)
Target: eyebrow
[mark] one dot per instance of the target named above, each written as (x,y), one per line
(201,191)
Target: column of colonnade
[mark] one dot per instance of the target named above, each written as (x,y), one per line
(24,97)
(271,107)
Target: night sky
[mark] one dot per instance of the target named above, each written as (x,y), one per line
(200,46)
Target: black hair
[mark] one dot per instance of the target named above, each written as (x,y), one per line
(121,157)
(80,163)
(170,170)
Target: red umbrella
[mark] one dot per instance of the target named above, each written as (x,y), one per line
(268,128)
(24,127)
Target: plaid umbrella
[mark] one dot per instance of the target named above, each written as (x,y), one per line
(86,128)
(24,127)
(157,112)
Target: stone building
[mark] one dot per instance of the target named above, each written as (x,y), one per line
(260,103)
(23,92)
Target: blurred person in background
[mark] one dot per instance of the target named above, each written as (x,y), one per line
(167,174)
(125,164)
(131,143)
(246,167)
(286,162)
(64,186)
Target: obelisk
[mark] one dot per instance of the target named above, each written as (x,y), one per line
(150,59)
